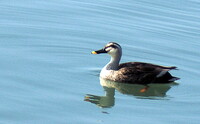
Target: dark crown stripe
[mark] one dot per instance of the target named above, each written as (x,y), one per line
(113,45)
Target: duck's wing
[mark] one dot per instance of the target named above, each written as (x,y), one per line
(140,72)
(146,66)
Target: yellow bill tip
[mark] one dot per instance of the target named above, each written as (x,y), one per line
(93,52)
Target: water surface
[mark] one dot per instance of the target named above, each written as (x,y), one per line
(47,70)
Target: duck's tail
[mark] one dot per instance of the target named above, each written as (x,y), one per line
(173,79)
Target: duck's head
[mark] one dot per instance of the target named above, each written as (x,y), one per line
(111,48)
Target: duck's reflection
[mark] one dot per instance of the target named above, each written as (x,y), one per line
(152,91)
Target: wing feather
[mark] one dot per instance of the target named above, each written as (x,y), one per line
(140,72)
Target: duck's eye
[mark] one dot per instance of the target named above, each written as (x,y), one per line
(113,46)
(108,48)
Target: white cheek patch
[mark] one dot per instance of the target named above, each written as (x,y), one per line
(112,51)
(108,49)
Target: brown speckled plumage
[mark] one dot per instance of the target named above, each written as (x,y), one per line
(141,73)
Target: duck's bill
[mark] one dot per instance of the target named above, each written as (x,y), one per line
(99,51)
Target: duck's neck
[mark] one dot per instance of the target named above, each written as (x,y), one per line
(114,62)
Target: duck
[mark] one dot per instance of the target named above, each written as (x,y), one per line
(133,72)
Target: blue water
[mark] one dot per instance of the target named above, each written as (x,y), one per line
(48,75)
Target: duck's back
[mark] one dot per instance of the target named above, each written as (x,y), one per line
(143,73)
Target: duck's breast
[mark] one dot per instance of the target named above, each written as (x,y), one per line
(107,74)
